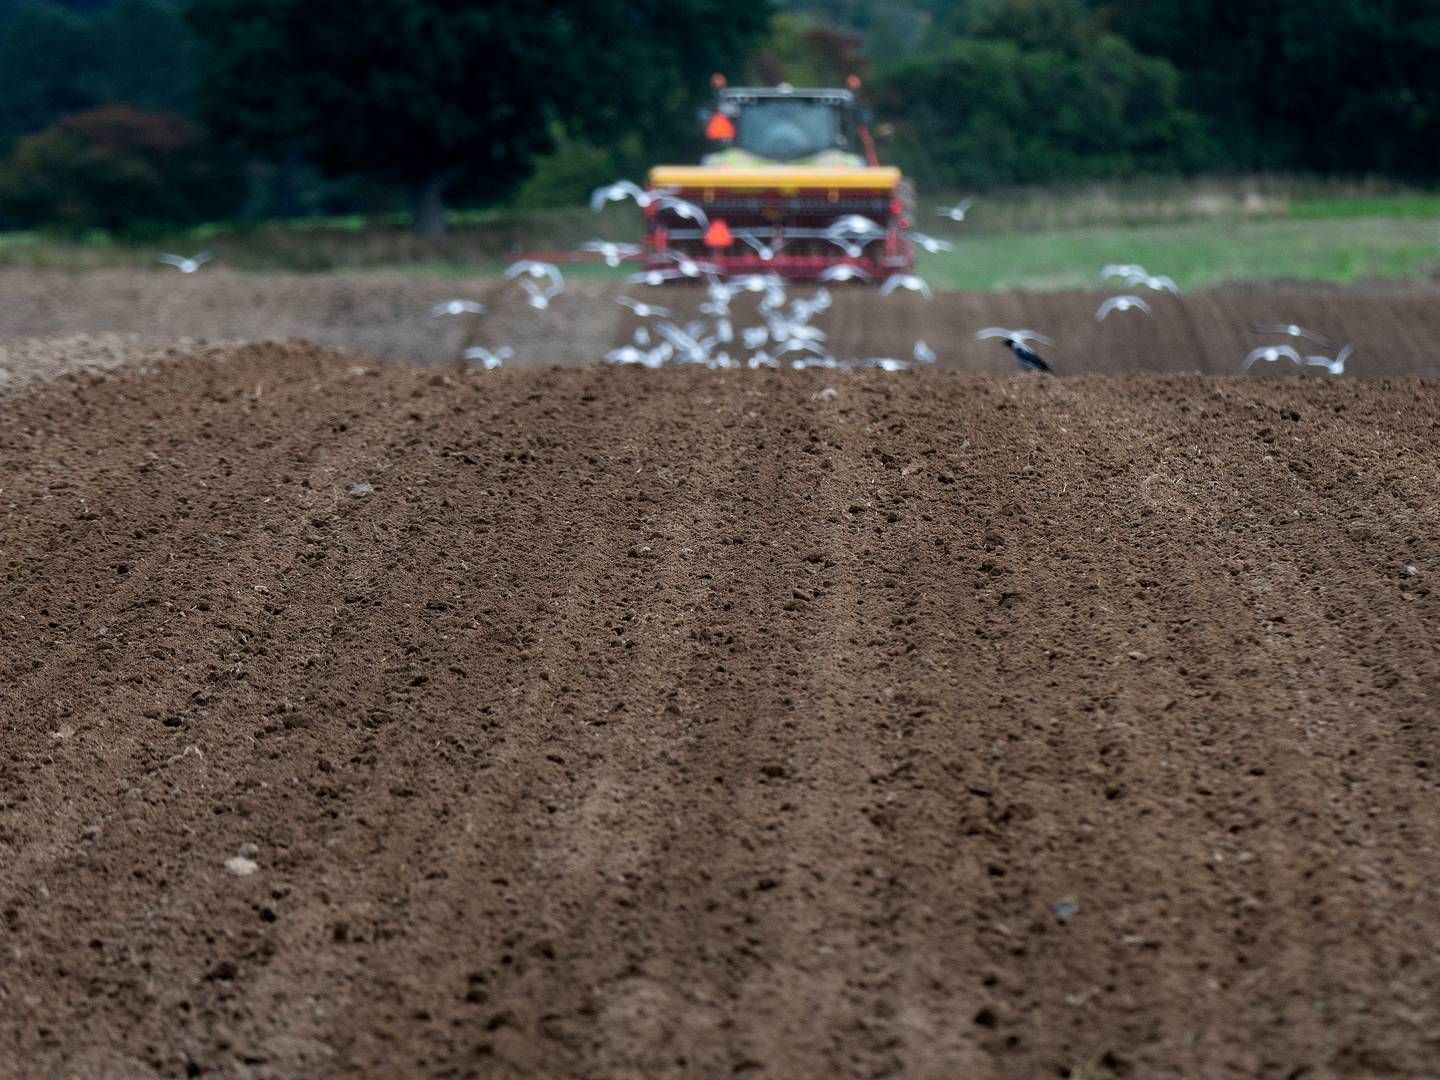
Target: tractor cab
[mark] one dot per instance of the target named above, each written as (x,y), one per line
(784,126)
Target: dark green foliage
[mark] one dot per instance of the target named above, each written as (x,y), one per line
(1347,86)
(116,168)
(54,61)
(428,94)
(343,106)
(986,112)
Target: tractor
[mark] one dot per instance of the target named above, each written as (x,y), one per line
(792,187)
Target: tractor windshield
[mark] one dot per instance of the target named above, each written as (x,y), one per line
(786,130)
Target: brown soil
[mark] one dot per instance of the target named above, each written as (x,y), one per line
(646,724)
(1394,329)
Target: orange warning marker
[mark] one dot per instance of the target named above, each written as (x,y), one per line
(720,129)
(718,235)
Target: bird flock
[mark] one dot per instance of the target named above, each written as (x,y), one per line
(784,333)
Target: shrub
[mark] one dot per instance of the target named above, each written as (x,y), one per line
(986,112)
(116,168)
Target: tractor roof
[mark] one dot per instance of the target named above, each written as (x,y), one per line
(745,94)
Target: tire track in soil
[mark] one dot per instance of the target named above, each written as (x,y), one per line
(983,645)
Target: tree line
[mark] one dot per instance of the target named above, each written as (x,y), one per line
(121,114)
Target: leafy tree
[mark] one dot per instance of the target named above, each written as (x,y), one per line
(805,53)
(1346,86)
(987,112)
(1056,25)
(115,168)
(428,93)
(54,61)
(45,60)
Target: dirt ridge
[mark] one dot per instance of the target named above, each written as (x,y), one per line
(677,723)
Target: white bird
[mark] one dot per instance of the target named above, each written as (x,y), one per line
(613,254)
(1270,354)
(680,208)
(1158,282)
(1019,336)
(852,248)
(781,329)
(644,310)
(689,267)
(1122,270)
(752,337)
(931,244)
(758,283)
(457,307)
(687,342)
(956,212)
(642,336)
(538,298)
(618,191)
(653,277)
(491,360)
(857,225)
(762,359)
(844,272)
(184,265)
(913,282)
(628,354)
(766,250)
(796,345)
(924,354)
(886,364)
(535,269)
(1121,303)
(1335,366)
(1291,330)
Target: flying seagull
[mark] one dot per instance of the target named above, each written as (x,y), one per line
(642,309)
(856,225)
(1158,282)
(1015,340)
(1121,303)
(491,360)
(766,250)
(1335,366)
(956,212)
(757,283)
(535,269)
(924,354)
(931,244)
(184,265)
(687,210)
(1122,270)
(530,269)
(653,277)
(1291,330)
(913,282)
(612,253)
(689,267)
(1271,353)
(539,298)
(618,191)
(457,307)
(844,272)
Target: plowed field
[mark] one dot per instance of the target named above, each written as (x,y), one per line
(636,724)
(1395,329)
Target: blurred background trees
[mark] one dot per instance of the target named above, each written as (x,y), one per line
(114,111)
